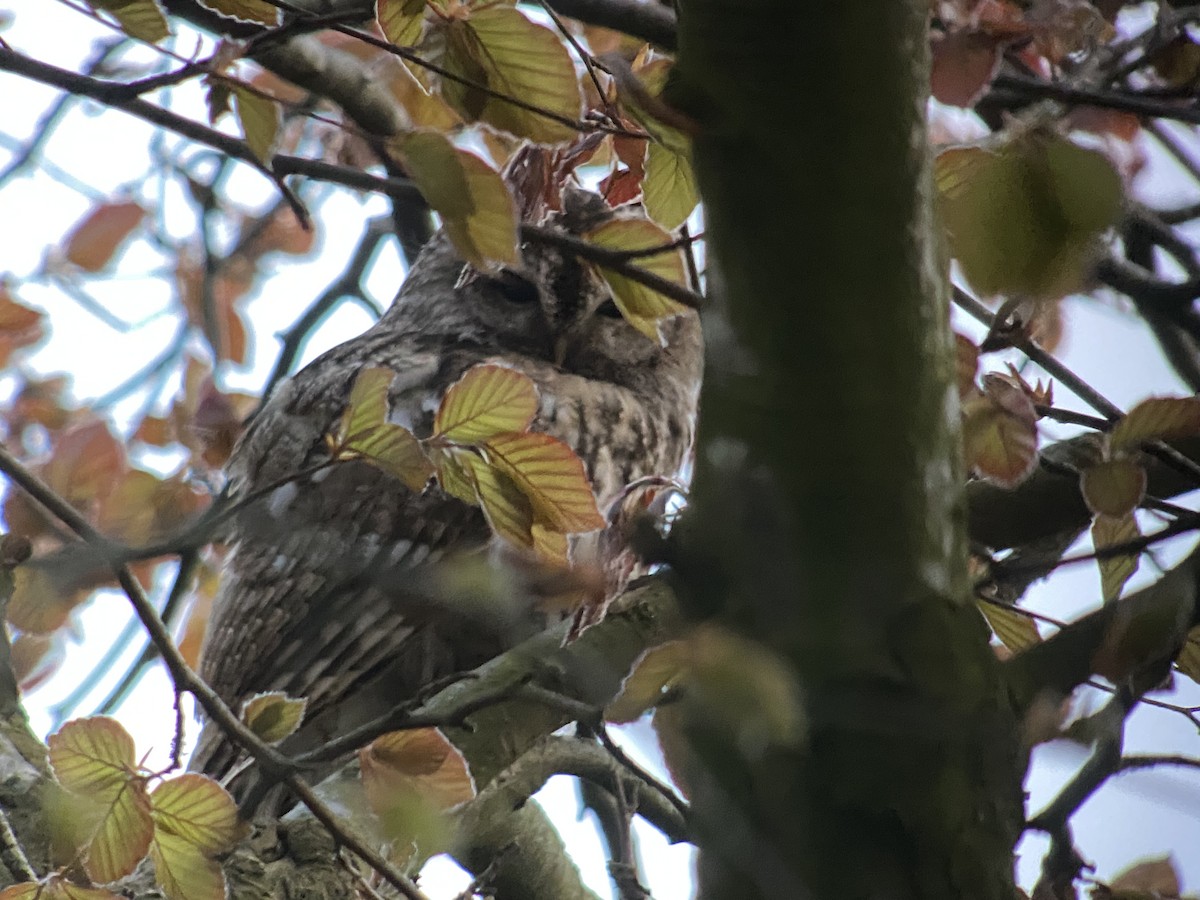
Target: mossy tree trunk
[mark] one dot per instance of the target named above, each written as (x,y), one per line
(827,515)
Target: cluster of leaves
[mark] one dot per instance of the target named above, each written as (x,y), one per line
(531,486)
(105,819)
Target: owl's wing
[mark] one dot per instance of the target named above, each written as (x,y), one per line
(314,600)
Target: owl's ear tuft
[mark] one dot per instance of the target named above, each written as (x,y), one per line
(582,210)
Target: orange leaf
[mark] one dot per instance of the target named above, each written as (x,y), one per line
(1156,419)
(966,361)
(419,760)
(1000,433)
(96,239)
(486,401)
(549,473)
(20,326)
(85,463)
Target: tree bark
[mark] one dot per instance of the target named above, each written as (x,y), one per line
(827,519)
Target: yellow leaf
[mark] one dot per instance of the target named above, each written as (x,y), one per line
(141,19)
(1014,630)
(549,473)
(185,872)
(245,10)
(364,432)
(273,715)
(1000,434)
(454,474)
(659,669)
(401,21)
(123,838)
(1113,487)
(486,401)
(1156,419)
(507,509)
(669,188)
(259,118)
(197,809)
(94,757)
(1115,570)
(55,887)
(643,307)
(550,545)
(500,48)
(477,210)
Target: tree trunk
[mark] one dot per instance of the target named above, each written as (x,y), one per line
(827,517)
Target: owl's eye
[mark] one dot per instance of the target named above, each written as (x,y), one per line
(609,310)
(516,288)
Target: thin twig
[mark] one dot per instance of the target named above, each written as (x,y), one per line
(12,853)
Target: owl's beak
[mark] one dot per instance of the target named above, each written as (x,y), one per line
(560,348)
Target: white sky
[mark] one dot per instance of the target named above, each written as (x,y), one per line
(1132,817)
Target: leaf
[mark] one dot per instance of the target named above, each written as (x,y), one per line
(94,242)
(642,306)
(245,10)
(401,21)
(1000,434)
(94,757)
(1156,419)
(124,835)
(745,687)
(506,507)
(669,187)
(86,462)
(1188,660)
(197,809)
(55,887)
(184,871)
(499,48)
(259,118)
(549,473)
(421,760)
(963,65)
(659,669)
(486,401)
(1155,877)
(454,469)
(966,362)
(141,19)
(1025,216)
(1116,570)
(20,326)
(274,715)
(1113,487)
(477,210)
(1013,629)
(365,433)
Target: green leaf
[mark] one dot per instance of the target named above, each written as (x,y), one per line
(199,810)
(273,715)
(1108,531)
(669,187)
(141,19)
(642,306)
(365,433)
(659,669)
(401,21)
(184,871)
(124,835)
(477,210)
(1025,216)
(487,400)
(498,47)
(507,509)
(94,757)
(259,118)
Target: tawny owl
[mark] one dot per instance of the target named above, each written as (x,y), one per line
(298,609)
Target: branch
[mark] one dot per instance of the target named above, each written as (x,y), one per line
(652,22)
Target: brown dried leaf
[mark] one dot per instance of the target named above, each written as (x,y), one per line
(94,242)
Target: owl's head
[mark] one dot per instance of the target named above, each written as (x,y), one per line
(551,306)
